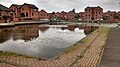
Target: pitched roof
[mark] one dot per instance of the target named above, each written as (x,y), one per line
(31,6)
(43,11)
(94,7)
(17,6)
(111,12)
(2,7)
(72,11)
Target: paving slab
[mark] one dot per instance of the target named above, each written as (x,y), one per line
(111,55)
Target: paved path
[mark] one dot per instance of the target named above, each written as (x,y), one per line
(92,54)
(111,55)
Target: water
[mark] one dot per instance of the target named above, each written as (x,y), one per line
(39,40)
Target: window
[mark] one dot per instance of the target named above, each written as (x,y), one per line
(32,14)
(26,14)
(22,15)
(11,14)
(22,9)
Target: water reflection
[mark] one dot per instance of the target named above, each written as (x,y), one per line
(5,34)
(40,41)
(26,32)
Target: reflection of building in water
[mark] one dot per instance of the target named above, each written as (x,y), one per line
(26,32)
(63,28)
(5,34)
(89,29)
(43,29)
(70,28)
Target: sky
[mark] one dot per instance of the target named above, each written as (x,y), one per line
(67,5)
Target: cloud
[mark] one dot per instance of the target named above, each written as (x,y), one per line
(67,5)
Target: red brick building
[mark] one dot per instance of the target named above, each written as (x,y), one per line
(16,9)
(25,12)
(93,13)
(43,15)
(29,11)
(118,16)
(6,15)
(111,16)
(81,14)
(63,15)
(71,15)
(56,15)
(50,15)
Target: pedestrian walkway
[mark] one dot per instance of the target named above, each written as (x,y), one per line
(92,55)
(111,55)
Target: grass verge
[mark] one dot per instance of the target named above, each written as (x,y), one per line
(8,54)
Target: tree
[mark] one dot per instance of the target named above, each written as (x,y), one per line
(22,15)
(53,13)
(116,17)
(104,17)
(76,16)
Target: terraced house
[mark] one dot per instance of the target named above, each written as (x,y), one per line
(71,15)
(25,11)
(29,11)
(111,16)
(93,13)
(43,15)
(6,15)
(63,15)
(16,9)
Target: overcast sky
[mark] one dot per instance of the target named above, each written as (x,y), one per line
(67,5)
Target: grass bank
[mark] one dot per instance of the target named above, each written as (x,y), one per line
(82,41)
(105,33)
(8,54)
